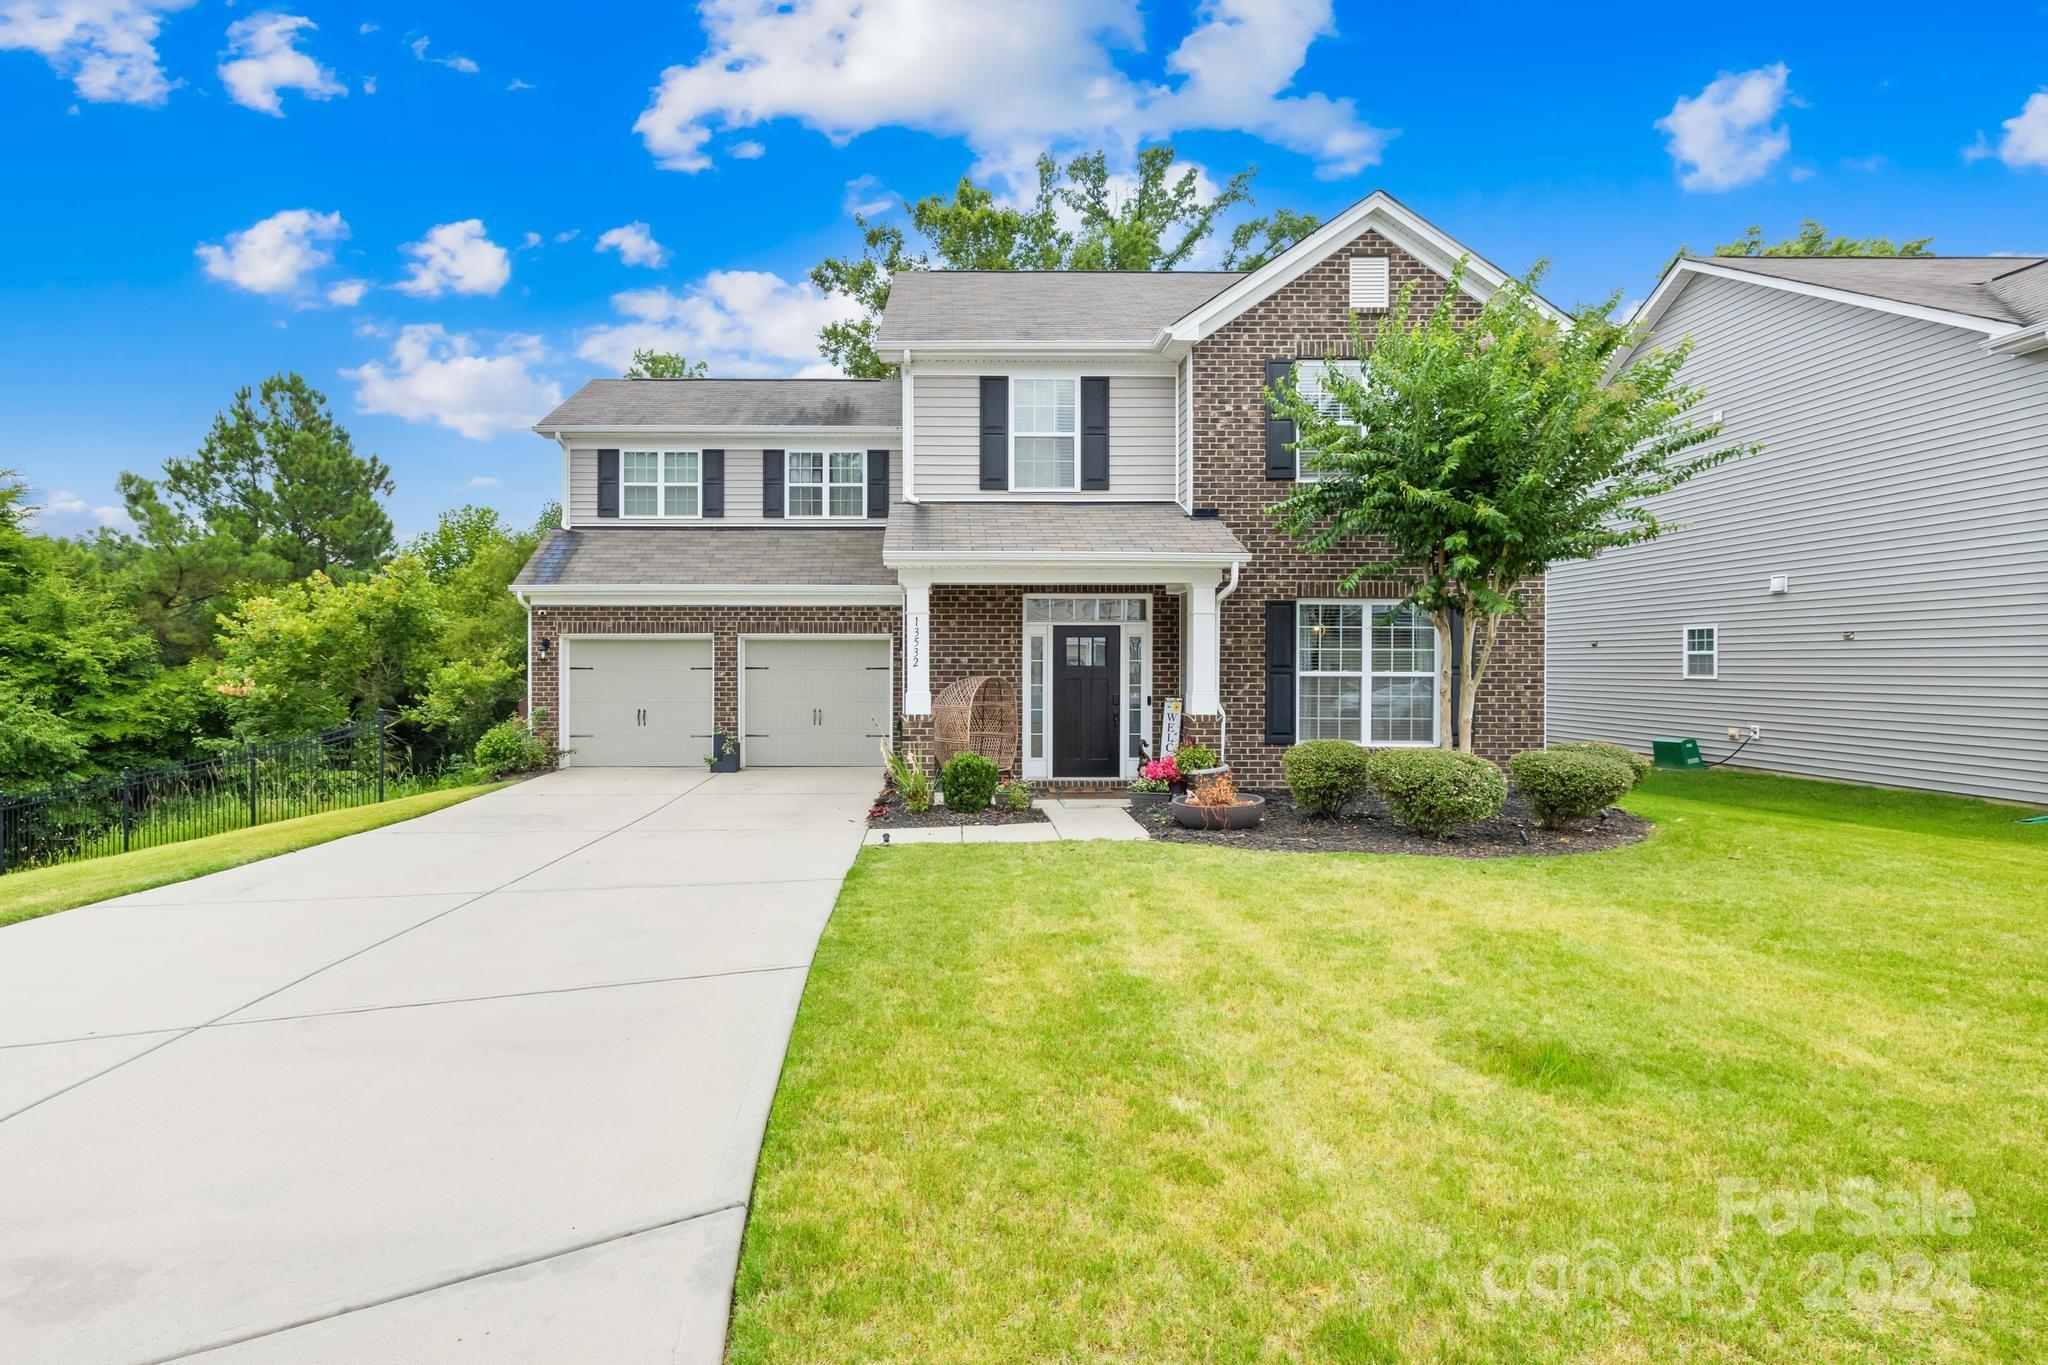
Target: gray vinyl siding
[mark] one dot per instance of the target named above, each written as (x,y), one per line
(742,487)
(1142,461)
(1904,488)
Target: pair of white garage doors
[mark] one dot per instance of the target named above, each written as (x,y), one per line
(816,701)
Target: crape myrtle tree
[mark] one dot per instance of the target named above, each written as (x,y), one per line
(1471,456)
(1081,217)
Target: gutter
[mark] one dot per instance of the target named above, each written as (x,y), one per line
(1223,716)
(2024,342)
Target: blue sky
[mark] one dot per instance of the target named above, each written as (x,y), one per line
(411,207)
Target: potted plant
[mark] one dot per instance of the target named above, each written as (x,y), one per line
(1214,802)
(1155,784)
(725,753)
(1196,760)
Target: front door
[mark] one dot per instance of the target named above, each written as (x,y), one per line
(1084,702)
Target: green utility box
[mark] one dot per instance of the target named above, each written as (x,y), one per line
(1676,753)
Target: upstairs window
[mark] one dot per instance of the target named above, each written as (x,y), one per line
(1310,382)
(1044,420)
(827,483)
(660,483)
(1702,658)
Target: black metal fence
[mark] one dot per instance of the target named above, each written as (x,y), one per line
(251,786)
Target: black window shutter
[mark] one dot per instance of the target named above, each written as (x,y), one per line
(995,431)
(1279,431)
(771,483)
(714,483)
(607,483)
(878,484)
(1094,435)
(1280,642)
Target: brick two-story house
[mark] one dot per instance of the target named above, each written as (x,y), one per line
(1067,486)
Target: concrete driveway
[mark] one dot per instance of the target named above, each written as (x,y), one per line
(486,1085)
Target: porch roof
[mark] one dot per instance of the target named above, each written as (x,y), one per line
(704,555)
(1054,532)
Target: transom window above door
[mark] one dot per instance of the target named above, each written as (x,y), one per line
(1084,608)
(661,483)
(827,483)
(1369,688)
(1044,422)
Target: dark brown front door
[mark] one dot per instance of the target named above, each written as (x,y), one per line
(1084,710)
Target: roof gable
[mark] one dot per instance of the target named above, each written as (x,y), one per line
(1958,291)
(1378,211)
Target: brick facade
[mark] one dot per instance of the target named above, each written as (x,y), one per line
(980,630)
(1310,317)
(723,624)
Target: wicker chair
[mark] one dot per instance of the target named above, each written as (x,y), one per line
(978,714)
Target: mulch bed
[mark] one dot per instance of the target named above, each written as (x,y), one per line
(888,813)
(1370,829)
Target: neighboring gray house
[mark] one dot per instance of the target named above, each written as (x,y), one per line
(1870,592)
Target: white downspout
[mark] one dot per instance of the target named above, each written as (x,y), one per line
(909,432)
(1222,716)
(568,467)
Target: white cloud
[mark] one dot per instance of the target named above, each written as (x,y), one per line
(458,63)
(740,322)
(635,244)
(529,240)
(366,28)
(1799,175)
(105,48)
(347,293)
(867,196)
(2026,136)
(276,255)
(458,257)
(369,85)
(263,60)
(1726,135)
(1012,77)
(749,150)
(482,481)
(1871,164)
(71,512)
(516,84)
(447,378)
(567,235)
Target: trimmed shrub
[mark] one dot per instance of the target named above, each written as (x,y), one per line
(969,781)
(510,747)
(1569,785)
(1326,775)
(1189,757)
(1638,766)
(1434,791)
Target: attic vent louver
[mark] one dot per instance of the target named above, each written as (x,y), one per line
(1369,282)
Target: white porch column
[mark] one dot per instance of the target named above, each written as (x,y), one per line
(917,635)
(1204,646)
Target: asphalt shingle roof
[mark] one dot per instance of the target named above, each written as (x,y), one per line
(1043,305)
(707,554)
(975,529)
(1977,286)
(730,403)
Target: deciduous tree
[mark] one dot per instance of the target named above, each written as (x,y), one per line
(1470,457)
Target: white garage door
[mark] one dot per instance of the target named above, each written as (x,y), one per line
(639,703)
(815,703)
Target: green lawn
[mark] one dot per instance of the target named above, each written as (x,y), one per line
(1144,1102)
(46,890)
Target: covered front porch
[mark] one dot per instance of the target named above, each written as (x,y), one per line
(1102,640)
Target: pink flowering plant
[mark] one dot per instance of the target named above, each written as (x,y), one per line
(1157,776)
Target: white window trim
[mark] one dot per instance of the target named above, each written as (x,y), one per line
(825,512)
(1016,487)
(1042,767)
(660,484)
(1365,675)
(1302,473)
(1686,652)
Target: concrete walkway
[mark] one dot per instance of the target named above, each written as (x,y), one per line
(486,1085)
(1084,818)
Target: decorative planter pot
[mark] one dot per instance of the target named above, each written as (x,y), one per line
(725,754)
(1216,771)
(1248,812)
(1146,801)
